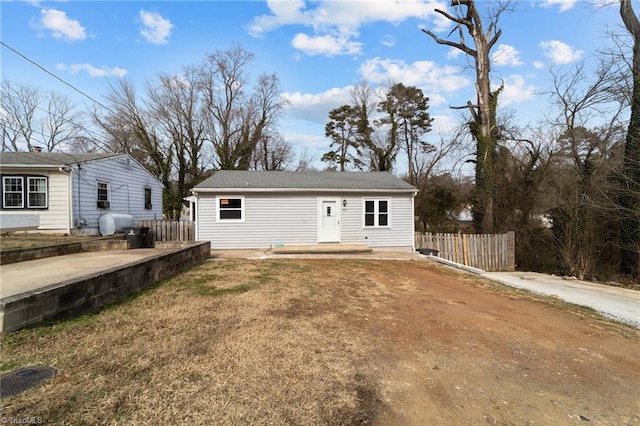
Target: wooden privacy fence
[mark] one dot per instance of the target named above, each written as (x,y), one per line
(491,252)
(171,230)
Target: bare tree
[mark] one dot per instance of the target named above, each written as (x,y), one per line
(237,115)
(629,201)
(175,106)
(272,153)
(586,160)
(130,127)
(485,34)
(30,117)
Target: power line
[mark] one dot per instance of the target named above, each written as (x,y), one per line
(56,77)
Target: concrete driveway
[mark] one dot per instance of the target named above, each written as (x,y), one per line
(617,303)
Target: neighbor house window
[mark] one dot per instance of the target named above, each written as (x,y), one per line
(147,199)
(230,208)
(37,192)
(13,192)
(25,192)
(376,213)
(103,194)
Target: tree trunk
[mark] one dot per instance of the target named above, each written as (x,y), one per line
(629,202)
(482,125)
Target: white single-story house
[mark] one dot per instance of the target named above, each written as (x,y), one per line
(263,209)
(70,192)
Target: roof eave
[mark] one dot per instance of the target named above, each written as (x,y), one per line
(32,166)
(292,190)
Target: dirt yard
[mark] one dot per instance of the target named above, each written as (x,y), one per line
(310,342)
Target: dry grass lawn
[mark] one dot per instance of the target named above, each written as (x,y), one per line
(235,341)
(335,342)
(22,240)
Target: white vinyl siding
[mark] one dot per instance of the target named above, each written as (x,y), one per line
(292,219)
(126,183)
(55,216)
(399,233)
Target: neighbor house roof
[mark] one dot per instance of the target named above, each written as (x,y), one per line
(48,159)
(253,181)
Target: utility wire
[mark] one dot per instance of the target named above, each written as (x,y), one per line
(56,77)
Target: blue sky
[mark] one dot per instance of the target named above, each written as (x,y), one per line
(318,49)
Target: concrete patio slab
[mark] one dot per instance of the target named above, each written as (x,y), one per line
(21,277)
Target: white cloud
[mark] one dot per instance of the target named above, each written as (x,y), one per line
(516,90)
(315,107)
(337,21)
(330,13)
(326,45)
(538,65)
(61,26)
(424,74)
(559,52)
(155,29)
(563,4)
(316,143)
(388,40)
(443,124)
(454,53)
(506,55)
(92,71)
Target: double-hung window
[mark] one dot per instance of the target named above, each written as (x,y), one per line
(13,192)
(36,192)
(103,194)
(25,192)
(230,209)
(376,213)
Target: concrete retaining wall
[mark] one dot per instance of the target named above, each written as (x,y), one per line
(86,294)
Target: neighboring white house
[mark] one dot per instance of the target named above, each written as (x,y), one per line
(245,209)
(70,192)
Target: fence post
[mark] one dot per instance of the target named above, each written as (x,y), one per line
(511,251)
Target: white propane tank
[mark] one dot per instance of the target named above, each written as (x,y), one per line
(111,223)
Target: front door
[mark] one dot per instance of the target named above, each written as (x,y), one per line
(328,220)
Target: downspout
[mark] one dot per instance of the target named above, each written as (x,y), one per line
(67,172)
(196,205)
(413,222)
(79,201)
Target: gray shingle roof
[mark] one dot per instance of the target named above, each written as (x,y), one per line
(47,158)
(250,180)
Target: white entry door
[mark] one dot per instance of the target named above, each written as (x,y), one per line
(328,220)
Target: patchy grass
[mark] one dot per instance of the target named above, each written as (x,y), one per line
(335,342)
(235,341)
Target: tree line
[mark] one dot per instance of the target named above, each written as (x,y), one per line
(568,185)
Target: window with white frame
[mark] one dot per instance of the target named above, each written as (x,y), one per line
(13,192)
(25,192)
(230,209)
(103,194)
(376,212)
(36,192)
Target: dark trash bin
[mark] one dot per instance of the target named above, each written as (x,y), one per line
(138,237)
(428,251)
